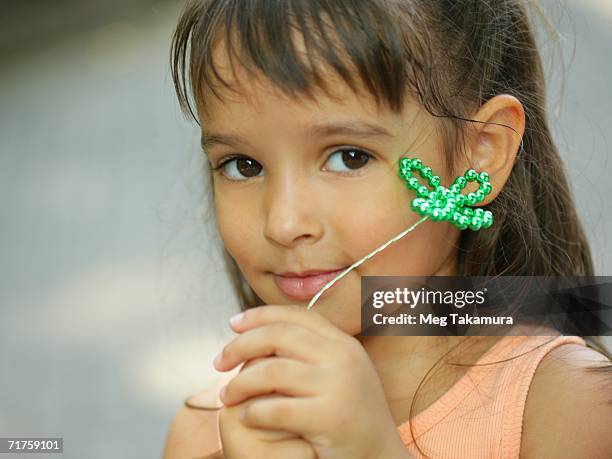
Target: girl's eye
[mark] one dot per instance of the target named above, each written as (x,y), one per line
(350,158)
(241,168)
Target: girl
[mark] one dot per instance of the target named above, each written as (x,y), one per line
(306,108)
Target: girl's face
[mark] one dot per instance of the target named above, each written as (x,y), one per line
(314,186)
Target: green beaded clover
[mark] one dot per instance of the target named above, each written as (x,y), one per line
(448,204)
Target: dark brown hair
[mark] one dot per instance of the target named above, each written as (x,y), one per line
(449,55)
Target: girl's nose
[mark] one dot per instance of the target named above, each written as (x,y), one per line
(291,210)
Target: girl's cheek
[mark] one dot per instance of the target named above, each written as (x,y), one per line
(237,230)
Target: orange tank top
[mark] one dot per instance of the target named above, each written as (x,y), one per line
(480,416)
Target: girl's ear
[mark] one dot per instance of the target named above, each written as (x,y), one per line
(493,147)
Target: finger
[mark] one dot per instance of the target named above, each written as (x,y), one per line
(250,363)
(298,315)
(272,436)
(295,449)
(274,375)
(296,415)
(280,338)
(262,435)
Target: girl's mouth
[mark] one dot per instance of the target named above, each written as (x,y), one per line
(304,288)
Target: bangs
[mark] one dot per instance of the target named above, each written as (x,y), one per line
(292,43)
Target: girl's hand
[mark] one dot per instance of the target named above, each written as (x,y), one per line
(240,441)
(330,393)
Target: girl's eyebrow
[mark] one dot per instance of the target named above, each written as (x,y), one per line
(361,129)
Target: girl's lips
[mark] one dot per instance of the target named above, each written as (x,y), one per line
(304,288)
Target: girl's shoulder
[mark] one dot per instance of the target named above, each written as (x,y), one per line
(194,432)
(568,407)
(505,405)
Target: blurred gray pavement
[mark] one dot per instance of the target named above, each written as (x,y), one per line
(112,296)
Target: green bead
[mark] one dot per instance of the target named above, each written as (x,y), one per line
(468,212)
(425,172)
(487,219)
(486,187)
(480,195)
(417,164)
(476,223)
(405,163)
(434,181)
(416,204)
(412,183)
(488,215)
(444,192)
(470,199)
(463,222)
(461,182)
(460,199)
(436,214)
(424,207)
(483,177)
(455,189)
(422,191)
(479,213)
(470,175)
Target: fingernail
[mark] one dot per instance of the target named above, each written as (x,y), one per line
(237,318)
(218,359)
